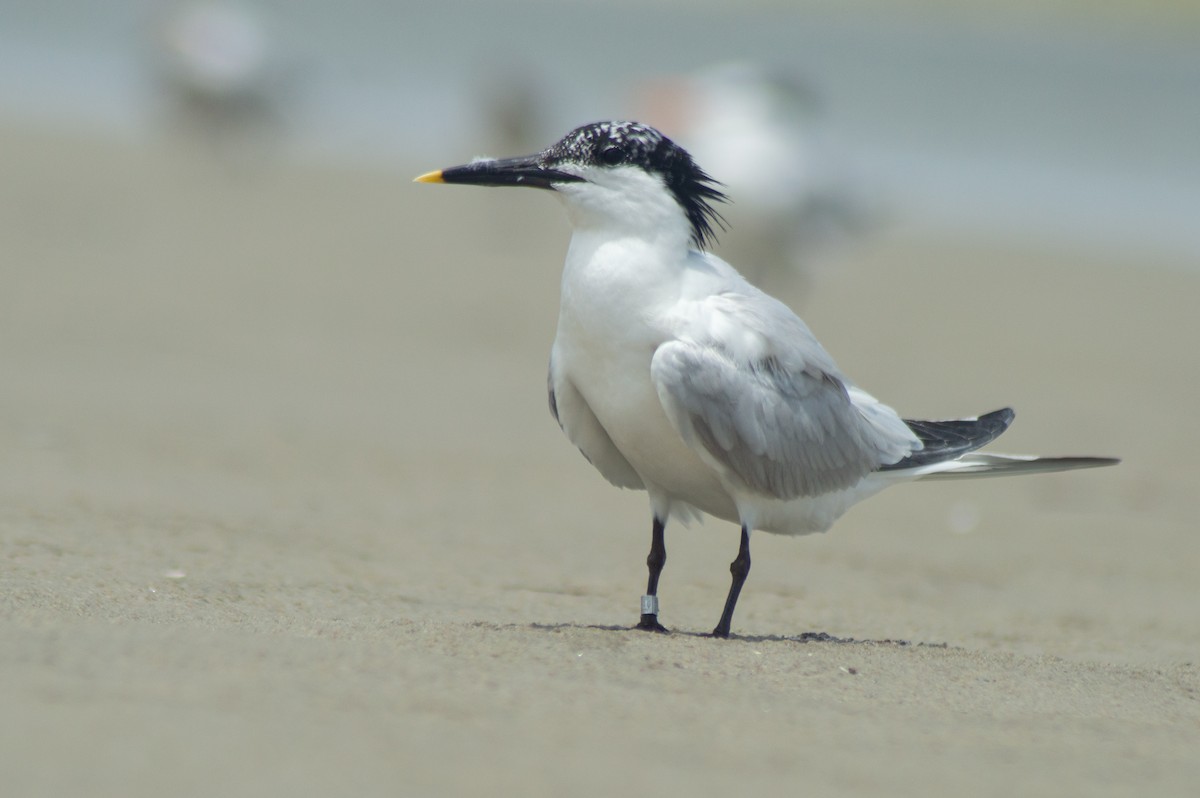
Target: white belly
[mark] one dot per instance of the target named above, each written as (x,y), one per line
(617,387)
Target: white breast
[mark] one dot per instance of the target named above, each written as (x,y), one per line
(618,300)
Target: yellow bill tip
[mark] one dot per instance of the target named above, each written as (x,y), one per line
(430,177)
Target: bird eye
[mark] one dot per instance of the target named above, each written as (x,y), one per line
(611,156)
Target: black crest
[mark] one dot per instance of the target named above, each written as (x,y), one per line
(630,143)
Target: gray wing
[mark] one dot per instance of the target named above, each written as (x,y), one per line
(581,426)
(783,433)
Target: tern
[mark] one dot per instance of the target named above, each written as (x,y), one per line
(674,375)
(763,133)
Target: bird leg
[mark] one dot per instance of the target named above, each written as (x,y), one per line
(740,567)
(655,562)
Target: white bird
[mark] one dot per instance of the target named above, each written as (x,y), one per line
(674,375)
(225,79)
(763,134)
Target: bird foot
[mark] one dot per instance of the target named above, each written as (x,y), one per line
(649,623)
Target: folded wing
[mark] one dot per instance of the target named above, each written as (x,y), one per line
(770,411)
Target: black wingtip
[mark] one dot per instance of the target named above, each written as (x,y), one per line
(1004,415)
(946,440)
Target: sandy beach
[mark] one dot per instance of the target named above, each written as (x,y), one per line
(283,512)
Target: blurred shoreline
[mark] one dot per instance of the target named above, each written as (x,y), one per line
(996,125)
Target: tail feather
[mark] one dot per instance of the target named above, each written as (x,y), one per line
(979,464)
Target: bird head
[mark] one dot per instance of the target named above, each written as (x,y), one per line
(616,174)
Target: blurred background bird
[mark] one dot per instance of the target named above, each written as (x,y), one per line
(222,78)
(794,196)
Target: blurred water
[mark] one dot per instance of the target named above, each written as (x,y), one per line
(1089,137)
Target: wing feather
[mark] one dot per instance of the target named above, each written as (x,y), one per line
(773,413)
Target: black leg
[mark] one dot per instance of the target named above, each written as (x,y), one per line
(655,562)
(740,567)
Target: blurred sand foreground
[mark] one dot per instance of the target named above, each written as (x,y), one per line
(282,512)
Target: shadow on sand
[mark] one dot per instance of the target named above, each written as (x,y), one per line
(803,637)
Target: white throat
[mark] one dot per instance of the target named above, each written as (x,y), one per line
(627,203)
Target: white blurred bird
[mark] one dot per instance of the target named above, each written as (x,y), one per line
(673,374)
(761,133)
(225,81)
